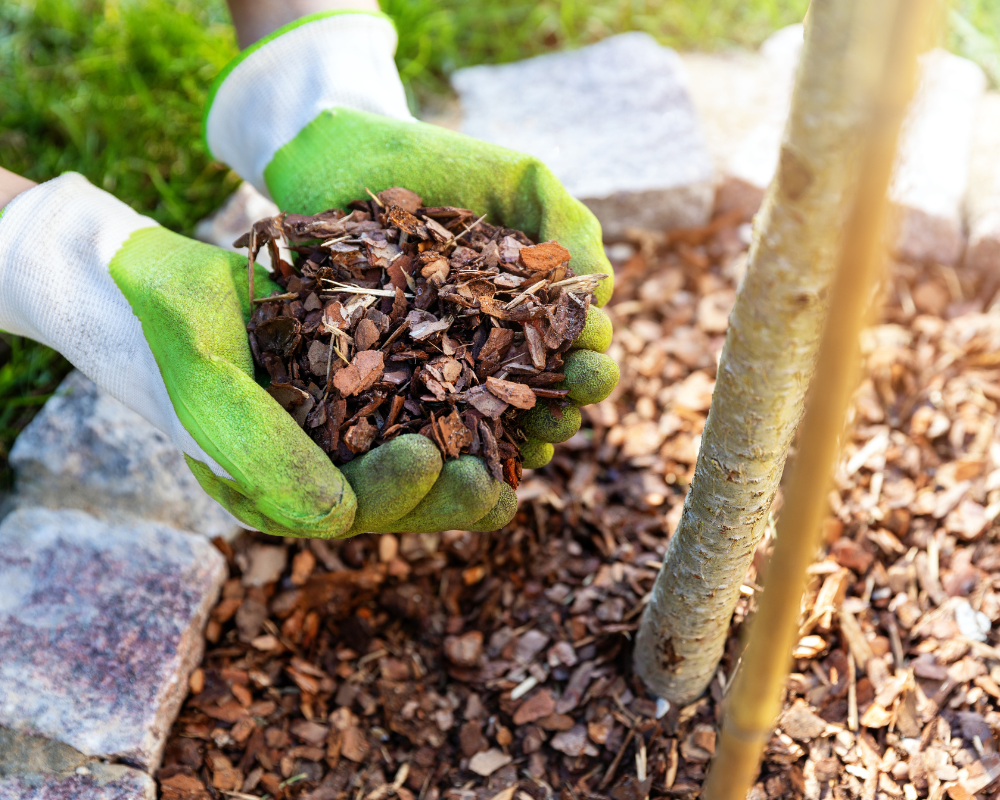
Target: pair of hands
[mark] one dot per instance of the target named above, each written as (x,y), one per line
(193,304)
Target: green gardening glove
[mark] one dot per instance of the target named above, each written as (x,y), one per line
(315,115)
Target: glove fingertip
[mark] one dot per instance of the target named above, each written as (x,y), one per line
(590,376)
(540,423)
(463,493)
(501,514)
(535,453)
(391,480)
(597,332)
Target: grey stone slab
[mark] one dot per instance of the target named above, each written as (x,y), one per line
(613,120)
(86,450)
(100,627)
(932,168)
(101,782)
(983,197)
(23,754)
(35,768)
(742,100)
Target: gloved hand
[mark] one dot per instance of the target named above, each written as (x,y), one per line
(159,321)
(316,113)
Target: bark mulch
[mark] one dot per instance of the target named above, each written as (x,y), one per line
(474,666)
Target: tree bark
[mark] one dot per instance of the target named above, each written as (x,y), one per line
(767,362)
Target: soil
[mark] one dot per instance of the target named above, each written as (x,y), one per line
(496,666)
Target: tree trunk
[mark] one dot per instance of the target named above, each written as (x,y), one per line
(889,52)
(767,362)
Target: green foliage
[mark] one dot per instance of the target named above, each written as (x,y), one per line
(115,91)
(974,32)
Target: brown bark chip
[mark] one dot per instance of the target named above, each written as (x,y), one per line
(543,257)
(516,394)
(399,318)
(364,370)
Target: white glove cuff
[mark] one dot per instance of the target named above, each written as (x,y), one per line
(57,241)
(280,86)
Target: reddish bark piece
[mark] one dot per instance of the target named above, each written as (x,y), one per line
(366,335)
(496,344)
(405,221)
(471,739)
(354,745)
(538,705)
(517,394)
(485,402)
(852,555)
(536,344)
(359,437)
(406,199)
(288,396)
(465,650)
(543,257)
(454,435)
(362,373)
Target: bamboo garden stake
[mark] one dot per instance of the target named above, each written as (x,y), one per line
(764,372)
(881,62)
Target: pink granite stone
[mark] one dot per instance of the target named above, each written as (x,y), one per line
(106,782)
(100,627)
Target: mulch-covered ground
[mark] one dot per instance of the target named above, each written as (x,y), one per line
(475,666)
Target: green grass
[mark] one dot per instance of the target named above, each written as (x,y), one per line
(114,89)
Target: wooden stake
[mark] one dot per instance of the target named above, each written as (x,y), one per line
(883,60)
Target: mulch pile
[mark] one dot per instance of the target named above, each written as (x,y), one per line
(397,318)
(474,666)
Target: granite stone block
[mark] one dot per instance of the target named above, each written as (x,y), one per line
(614,121)
(86,450)
(103,782)
(932,168)
(100,627)
(983,198)
(35,768)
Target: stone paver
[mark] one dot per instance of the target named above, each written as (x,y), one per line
(34,768)
(102,782)
(932,170)
(86,450)
(613,120)
(100,627)
(983,200)
(742,100)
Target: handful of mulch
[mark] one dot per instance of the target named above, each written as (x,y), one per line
(398,318)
